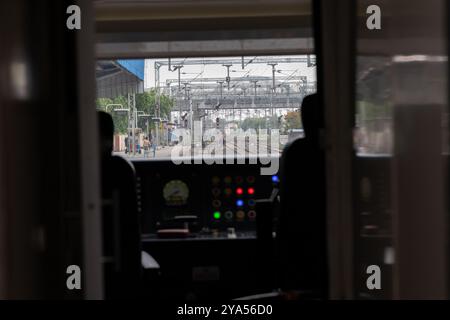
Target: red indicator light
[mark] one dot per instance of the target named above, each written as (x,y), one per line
(239,191)
(251,191)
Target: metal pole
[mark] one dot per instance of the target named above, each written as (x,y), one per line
(133,123)
(273,75)
(220,89)
(186,95)
(255,83)
(157,66)
(273,87)
(156,133)
(228,74)
(128,124)
(191,121)
(179,77)
(179,91)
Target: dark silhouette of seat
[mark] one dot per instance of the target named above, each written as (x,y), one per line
(120,220)
(301,235)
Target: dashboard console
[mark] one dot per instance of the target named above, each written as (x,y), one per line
(210,200)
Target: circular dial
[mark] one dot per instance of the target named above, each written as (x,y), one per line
(176,193)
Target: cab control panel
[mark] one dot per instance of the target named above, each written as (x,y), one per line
(208,198)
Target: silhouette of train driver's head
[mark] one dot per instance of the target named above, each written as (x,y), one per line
(106,128)
(312,118)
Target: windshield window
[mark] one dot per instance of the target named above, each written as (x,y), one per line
(242,106)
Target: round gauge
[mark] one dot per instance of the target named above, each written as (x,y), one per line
(176,193)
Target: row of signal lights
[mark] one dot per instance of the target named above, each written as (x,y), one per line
(228,179)
(250,179)
(240,214)
(229,215)
(228,191)
(216,203)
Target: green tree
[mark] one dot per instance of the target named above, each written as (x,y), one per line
(292,120)
(254,123)
(120,119)
(145,102)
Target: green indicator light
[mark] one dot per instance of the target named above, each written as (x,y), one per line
(216,215)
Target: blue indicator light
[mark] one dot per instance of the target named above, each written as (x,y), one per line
(239,203)
(275,179)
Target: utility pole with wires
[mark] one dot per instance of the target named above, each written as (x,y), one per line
(273,86)
(273,76)
(132,122)
(178,68)
(228,79)
(220,91)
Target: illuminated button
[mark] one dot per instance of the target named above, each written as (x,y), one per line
(239,191)
(215,180)
(216,192)
(250,190)
(227,179)
(251,179)
(239,202)
(252,214)
(228,191)
(239,179)
(216,203)
(251,203)
(275,179)
(216,215)
(229,215)
(240,215)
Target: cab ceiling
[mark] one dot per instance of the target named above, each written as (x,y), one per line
(122,10)
(202,27)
